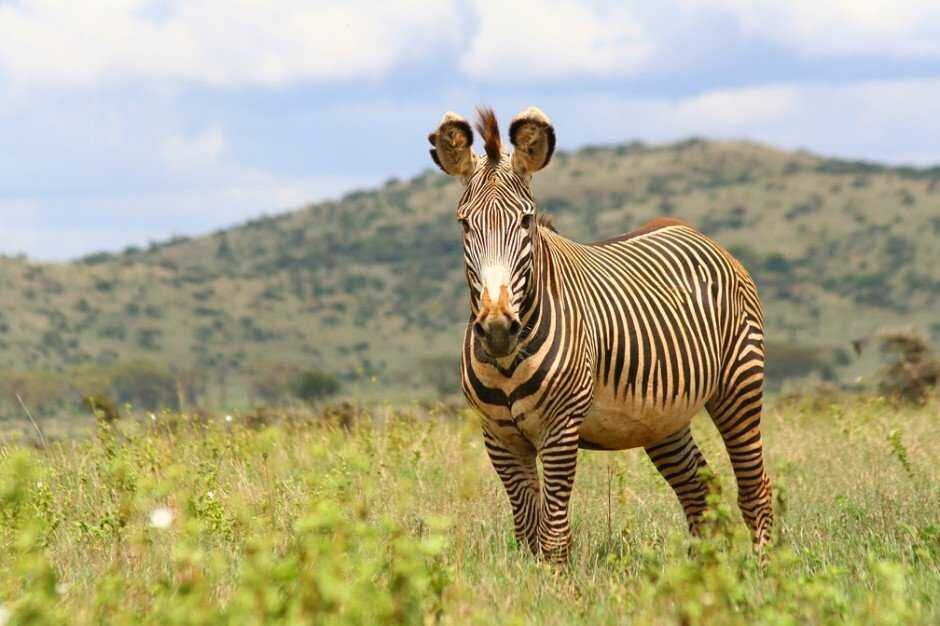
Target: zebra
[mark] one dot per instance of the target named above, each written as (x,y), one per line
(609,345)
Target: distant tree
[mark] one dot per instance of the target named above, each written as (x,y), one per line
(224,249)
(442,372)
(786,360)
(272,383)
(191,383)
(39,390)
(147,338)
(145,384)
(314,385)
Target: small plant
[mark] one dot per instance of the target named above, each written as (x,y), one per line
(102,407)
(899,451)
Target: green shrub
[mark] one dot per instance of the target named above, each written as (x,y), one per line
(314,385)
(144,384)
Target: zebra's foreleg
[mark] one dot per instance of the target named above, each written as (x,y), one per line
(679,460)
(559,461)
(520,478)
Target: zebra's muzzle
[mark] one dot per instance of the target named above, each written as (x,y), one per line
(498,340)
(497,326)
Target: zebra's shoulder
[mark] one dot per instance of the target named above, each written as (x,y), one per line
(651,226)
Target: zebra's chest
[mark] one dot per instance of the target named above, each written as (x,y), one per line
(513,411)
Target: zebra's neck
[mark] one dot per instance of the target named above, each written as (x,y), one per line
(532,313)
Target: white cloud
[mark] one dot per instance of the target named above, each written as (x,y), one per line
(219,42)
(531,40)
(890,120)
(731,109)
(205,148)
(897,28)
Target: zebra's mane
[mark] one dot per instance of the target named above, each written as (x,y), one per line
(544,219)
(489,129)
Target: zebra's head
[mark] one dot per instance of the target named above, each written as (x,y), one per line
(497,213)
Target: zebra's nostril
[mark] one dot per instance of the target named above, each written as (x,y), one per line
(478,329)
(514,327)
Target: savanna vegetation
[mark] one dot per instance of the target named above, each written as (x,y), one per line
(369,288)
(147,477)
(382,516)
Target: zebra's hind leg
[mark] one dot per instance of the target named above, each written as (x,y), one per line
(736,410)
(679,460)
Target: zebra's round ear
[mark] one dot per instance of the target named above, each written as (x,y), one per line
(452,143)
(533,139)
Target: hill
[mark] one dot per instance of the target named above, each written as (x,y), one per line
(370,287)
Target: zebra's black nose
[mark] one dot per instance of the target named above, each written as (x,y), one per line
(499,335)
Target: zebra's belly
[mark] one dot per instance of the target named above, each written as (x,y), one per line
(622,423)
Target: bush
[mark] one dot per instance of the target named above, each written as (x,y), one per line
(914,371)
(144,384)
(314,385)
(272,383)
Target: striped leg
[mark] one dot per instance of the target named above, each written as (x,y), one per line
(736,411)
(559,462)
(521,481)
(679,460)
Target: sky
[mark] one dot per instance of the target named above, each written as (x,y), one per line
(130,121)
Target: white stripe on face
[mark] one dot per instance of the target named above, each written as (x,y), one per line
(494,277)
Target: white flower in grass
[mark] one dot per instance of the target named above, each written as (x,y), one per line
(228,418)
(4,615)
(161,517)
(153,417)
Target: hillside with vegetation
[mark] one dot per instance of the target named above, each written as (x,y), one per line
(369,288)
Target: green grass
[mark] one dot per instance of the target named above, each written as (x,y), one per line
(401,520)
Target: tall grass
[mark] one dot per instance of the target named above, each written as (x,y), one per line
(397,518)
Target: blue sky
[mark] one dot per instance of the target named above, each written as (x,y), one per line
(125,121)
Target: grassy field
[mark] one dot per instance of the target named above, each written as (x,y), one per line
(398,518)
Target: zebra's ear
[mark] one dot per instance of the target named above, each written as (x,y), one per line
(533,139)
(452,143)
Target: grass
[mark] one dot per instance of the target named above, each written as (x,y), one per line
(400,519)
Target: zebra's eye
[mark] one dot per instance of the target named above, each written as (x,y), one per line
(464,224)
(526,221)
